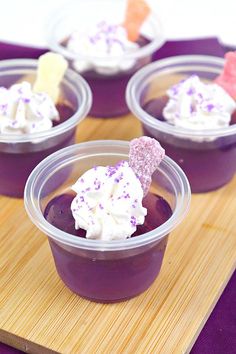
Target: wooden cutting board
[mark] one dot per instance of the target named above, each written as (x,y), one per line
(38,314)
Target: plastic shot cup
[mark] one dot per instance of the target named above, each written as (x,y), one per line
(208,157)
(104,271)
(108,88)
(20,153)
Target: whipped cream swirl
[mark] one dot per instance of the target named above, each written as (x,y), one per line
(108,204)
(102,48)
(195,105)
(24,112)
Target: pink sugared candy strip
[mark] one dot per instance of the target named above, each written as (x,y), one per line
(145,155)
(227,79)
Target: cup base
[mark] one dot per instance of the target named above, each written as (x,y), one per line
(18,166)
(108,280)
(208,166)
(114,301)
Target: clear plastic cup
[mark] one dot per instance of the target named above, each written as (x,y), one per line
(108,89)
(208,157)
(19,154)
(102,271)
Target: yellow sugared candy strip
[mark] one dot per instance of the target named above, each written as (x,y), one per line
(51,69)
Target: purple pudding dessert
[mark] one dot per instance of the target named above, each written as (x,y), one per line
(181,104)
(93,278)
(113,85)
(33,122)
(107,53)
(108,204)
(198,161)
(108,231)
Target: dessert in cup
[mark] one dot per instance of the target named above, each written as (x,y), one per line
(108,223)
(41,103)
(188,104)
(106,46)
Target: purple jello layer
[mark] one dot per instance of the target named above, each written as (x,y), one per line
(18,160)
(208,164)
(108,276)
(109,90)
(108,94)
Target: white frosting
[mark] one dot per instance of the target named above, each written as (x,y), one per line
(195,105)
(108,204)
(104,47)
(24,112)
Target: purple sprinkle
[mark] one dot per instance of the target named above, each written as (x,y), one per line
(191,91)
(3,106)
(38,113)
(111,171)
(192,108)
(210,107)
(101,206)
(81,180)
(97,184)
(174,90)
(120,164)
(92,40)
(81,198)
(133,221)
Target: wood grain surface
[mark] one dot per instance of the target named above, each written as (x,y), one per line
(38,314)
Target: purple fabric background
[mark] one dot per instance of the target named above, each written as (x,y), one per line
(219,334)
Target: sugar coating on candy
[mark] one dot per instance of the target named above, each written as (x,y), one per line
(136,13)
(227,79)
(145,155)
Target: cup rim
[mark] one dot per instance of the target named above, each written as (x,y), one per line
(140,52)
(32,204)
(72,79)
(139,79)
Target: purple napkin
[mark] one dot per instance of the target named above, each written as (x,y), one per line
(5,349)
(219,334)
(10,51)
(203,46)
